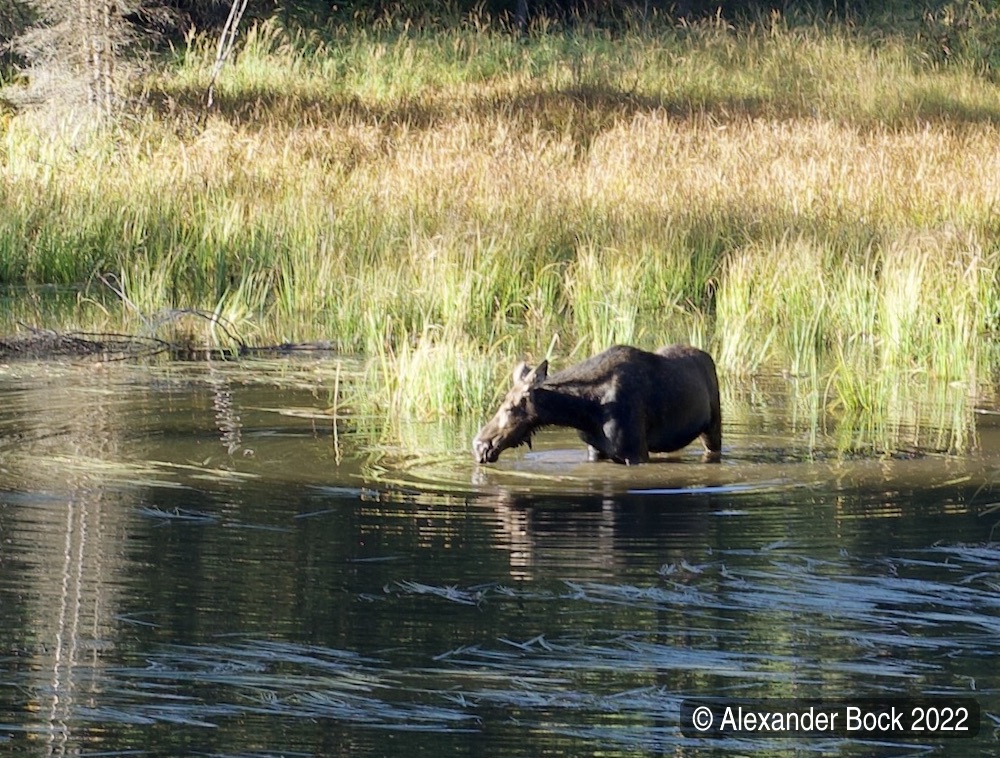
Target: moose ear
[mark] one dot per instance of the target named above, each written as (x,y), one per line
(521,373)
(539,374)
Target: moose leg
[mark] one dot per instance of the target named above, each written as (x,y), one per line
(711,438)
(627,440)
(597,446)
(594,454)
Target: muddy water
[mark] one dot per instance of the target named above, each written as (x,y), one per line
(197,560)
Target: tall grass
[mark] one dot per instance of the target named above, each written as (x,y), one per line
(434,374)
(793,197)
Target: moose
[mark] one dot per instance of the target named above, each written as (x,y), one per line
(625,402)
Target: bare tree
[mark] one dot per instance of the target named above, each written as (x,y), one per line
(227,38)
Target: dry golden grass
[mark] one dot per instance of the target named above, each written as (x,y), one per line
(784,196)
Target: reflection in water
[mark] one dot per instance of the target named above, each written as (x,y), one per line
(226,417)
(165,594)
(602,532)
(64,534)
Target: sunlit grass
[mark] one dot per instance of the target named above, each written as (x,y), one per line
(790,196)
(434,374)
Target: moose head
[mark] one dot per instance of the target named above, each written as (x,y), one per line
(515,419)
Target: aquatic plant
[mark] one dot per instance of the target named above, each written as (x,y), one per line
(430,375)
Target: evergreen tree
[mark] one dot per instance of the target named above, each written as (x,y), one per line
(74,52)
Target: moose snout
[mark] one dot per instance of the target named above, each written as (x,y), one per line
(483,450)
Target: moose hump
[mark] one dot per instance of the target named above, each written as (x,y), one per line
(625,402)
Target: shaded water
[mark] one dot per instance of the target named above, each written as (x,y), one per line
(196,560)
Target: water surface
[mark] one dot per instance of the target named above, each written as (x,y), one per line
(202,560)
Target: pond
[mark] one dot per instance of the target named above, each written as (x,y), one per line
(212,559)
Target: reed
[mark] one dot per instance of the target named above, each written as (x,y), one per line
(433,375)
(448,199)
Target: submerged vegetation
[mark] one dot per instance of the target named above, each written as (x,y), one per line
(804,197)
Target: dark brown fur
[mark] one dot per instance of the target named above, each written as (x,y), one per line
(626,403)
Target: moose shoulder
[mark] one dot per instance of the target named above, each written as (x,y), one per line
(625,402)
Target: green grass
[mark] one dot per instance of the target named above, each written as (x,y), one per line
(805,198)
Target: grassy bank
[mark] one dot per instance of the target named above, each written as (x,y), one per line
(801,198)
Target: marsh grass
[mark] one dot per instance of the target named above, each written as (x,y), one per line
(434,374)
(796,197)
(890,411)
